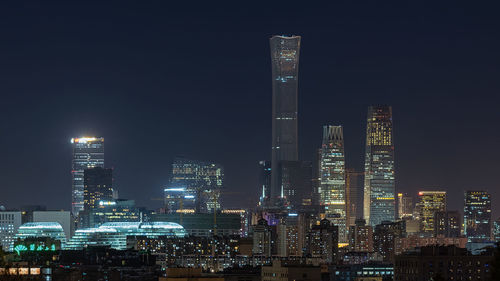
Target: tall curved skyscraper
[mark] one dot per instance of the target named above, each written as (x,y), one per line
(379,191)
(285,69)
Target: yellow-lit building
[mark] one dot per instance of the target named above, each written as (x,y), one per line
(430,202)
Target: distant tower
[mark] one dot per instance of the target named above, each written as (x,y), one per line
(405,206)
(264,181)
(379,191)
(88,152)
(332,187)
(285,67)
(477,216)
(98,185)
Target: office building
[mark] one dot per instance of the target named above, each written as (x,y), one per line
(296,182)
(361,237)
(322,242)
(379,189)
(442,263)
(333,178)
(36,230)
(98,186)
(9,223)
(63,218)
(477,216)
(429,203)
(354,195)
(116,210)
(264,182)
(199,180)
(447,224)
(114,234)
(88,152)
(405,206)
(202,224)
(285,67)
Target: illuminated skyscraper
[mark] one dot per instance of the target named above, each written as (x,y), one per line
(199,182)
(405,206)
(98,186)
(285,67)
(332,178)
(379,191)
(429,203)
(447,224)
(477,216)
(88,152)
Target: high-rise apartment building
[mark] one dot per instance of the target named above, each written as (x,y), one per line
(447,224)
(361,237)
(379,190)
(429,203)
(354,195)
(262,239)
(285,68)
(405,206)
(332,187)
(322,242)
(477,216)
(199,181)
(9,223)
(496,230)
(88,152)
(98,186)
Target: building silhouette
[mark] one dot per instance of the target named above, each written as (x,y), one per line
(285,66)
(477,216)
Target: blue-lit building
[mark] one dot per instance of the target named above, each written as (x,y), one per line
(477,216)
(379,191)
(194,182)
(114,234)
(496,230)
(36,230)
(362,272)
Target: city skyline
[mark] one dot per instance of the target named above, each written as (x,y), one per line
(443,123)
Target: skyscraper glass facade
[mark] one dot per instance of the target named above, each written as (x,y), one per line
(285,67)
(332,187)
(88,152)
(98,186)
(477,216)
(379,191)
(199,182)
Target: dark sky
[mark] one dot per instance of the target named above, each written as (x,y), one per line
(158,80)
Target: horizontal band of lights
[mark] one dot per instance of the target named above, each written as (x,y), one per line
(185,211)
(83,140)
(342,245)
(176,189)
(32,247)
(385,198)
(233,211)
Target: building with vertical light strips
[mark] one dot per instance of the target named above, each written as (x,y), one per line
(477,216)
(285,67)
(88,152)
(332,188)
(379,189)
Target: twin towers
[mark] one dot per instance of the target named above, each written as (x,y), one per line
(379,186)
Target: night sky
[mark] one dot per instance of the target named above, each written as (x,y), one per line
(159,81)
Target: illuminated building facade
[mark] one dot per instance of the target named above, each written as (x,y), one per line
(496,230)
(197,180)
(114,234)
(9,223)
(52,230)
(379,189)
(405,206)
(332,187)
(88,152)
(447,224)
(61,217)
(116,210)
(385,236)
(98,186)
(430,202)
(285,67)
(262,239)
(477,216)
